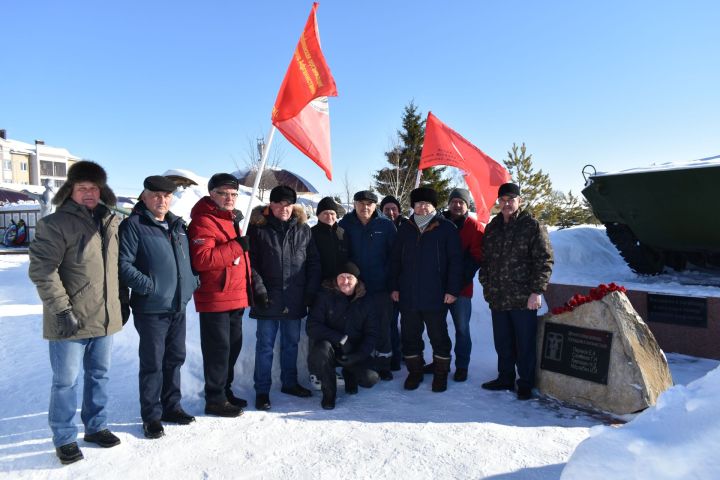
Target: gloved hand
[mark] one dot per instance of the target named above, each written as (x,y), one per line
(244,243)
(261,300)
(124,312)
(67,323)
(351,359)
(342,349)
(309,299)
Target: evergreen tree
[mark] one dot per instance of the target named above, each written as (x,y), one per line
(399,178)
(535,187)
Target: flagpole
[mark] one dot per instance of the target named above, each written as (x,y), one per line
(258,176)
(417,179)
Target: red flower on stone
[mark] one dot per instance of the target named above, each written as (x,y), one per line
(594,294)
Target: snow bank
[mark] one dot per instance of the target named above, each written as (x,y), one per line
(585,256)
(679,438)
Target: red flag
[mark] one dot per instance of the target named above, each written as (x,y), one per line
(444,146)
(301,108)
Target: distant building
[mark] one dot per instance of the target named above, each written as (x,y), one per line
(28,164)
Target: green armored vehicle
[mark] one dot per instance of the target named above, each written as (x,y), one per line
(662,215)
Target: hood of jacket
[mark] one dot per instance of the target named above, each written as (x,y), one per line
(261,215)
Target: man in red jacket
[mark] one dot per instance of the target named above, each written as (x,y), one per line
(471,240)
(219,255)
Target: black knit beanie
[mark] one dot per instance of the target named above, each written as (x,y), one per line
(327,203)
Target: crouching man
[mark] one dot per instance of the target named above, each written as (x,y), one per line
(342,326)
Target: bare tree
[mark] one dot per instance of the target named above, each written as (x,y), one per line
(253,156)
(348,188)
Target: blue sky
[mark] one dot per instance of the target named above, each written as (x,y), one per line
(143,86)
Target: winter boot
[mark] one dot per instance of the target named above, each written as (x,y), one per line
(440,377)
(415,372)
(460,374)
(351,383)
(329,392)
(395,363)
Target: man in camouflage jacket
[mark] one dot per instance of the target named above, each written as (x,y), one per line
(515,270)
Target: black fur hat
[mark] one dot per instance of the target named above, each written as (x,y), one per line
(85,171)
(283,193)
(423,194)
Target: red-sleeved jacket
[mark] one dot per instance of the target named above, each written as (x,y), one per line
(223,285)
(471,233)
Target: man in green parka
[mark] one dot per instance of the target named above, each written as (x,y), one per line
(74,265)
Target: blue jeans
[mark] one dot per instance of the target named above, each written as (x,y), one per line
(460,312)
(514,334)
(65,359)
(265,344)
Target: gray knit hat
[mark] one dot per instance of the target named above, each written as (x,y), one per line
(461,193)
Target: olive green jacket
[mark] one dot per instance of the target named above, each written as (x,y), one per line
(74,264)
(517,261)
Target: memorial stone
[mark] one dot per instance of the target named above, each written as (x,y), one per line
(601,356)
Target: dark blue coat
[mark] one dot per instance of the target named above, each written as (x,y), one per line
(285,264)
(334,315)
(155,262)
(370,247)
(425,266)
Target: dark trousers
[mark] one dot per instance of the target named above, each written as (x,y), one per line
(162,353)
(322,360)
(220,341)
(514,334)
(412,326)
(395,333)
(383,305)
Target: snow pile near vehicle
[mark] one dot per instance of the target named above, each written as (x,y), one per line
(678,438)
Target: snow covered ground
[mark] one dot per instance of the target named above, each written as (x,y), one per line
(384,432)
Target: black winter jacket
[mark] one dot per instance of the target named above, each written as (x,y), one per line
(155,262)
(334,315)
(425,266)
(285,264)
(332,245)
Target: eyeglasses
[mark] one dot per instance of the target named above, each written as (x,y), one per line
(224,193)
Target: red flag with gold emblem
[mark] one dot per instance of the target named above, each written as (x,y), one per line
(444,146)
(301,108)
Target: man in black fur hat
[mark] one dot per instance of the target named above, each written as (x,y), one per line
(286,278)
(426,278)
(74,265)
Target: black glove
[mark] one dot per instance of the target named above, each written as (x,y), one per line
(342,349)
(67,323)
(351,359)
(125,312)
(261,300)
(244,243)
(309,299)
